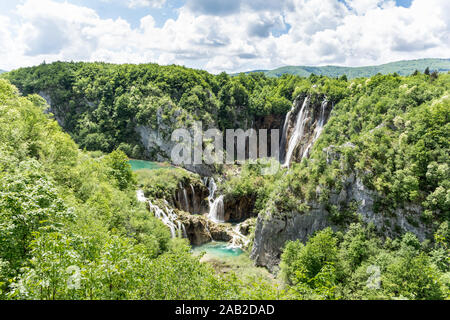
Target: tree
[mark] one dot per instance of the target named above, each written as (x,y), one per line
(120,169)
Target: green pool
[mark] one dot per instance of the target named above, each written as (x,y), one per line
(217,249)
(142,164)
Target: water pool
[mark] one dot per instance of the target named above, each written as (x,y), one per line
(217,249)
(142,164)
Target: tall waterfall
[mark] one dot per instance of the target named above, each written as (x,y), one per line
(166,215)
(298,132)
(212,187)
(305,118)
(185,197)
(194,202)
(140,196)
(216,206)
(284,136)
(318,129)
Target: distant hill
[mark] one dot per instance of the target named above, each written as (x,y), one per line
(401,67)
(2,71)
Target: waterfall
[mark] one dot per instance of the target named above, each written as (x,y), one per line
(284,136)
(166,215)
(298,132)
(238,239)
(216,206)
(217,210)
(180,229)
(185,197)
(168,218)
(184,231)
(318,129)
(194,204)
(212,187)
(140,196)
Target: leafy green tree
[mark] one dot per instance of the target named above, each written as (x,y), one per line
(120,169)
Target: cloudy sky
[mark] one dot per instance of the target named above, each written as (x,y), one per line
(225,35)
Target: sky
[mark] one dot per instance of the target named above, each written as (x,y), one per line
(225,35)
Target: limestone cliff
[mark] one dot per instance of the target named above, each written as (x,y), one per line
(274,228)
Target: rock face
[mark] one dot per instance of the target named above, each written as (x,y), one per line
(200,230)
(238,209)
(158,145)
(273,229)
(192,198)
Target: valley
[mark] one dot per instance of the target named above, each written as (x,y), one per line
(360,183)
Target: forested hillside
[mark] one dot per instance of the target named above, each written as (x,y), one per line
(71,227)
(403,68)
(362,214)
(100,105)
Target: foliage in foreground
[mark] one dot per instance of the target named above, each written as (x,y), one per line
(70,226)
(359,265)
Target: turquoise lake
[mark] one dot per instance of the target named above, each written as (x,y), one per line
(217,249)
(142,164)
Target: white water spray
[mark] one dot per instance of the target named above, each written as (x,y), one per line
(185,197)
(194,204)
(217,210)
(238,240)
(298,132)
(216,206)
(166,215)
(318,129)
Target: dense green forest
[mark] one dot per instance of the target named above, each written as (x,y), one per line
(403,68)
(68,200)
(100,104)
(72,217)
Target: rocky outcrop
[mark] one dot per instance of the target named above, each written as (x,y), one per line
(200,230)
(192,198)
(274,228)
(239,209)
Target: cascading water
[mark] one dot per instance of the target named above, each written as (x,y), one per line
(140,196)
(166,215)
(238,240)
(319,128)
(194,204)
(184,231)
(298,132)
(185,197)
(212,187)
(217,210)
(284,136)
(168,218)
(216,206)
(304,116)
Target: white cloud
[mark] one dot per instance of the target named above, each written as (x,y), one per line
(146,3)
(138,3)
(363,32)
(363,6)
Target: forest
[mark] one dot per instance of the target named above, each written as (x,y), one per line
(403,68)
(68,207)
